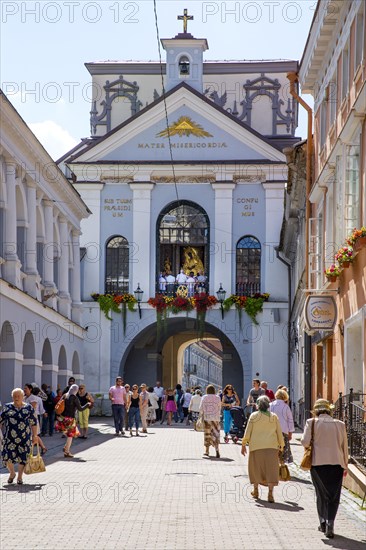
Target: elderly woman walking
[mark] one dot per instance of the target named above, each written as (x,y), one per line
(329,462)
(66,422)
(210,408)
(20,423)
(264,435)
(282,410)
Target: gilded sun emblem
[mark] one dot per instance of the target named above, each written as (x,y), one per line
(184,126)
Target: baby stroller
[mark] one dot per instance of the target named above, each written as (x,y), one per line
(240,419)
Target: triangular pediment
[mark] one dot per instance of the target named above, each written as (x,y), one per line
(196,131)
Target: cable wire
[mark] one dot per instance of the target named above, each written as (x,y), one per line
(164,100)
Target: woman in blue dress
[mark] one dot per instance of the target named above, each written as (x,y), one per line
(229,400)
(20,424)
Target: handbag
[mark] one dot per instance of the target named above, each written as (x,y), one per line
(308,453)
(200,426)
(284,472)
(34,464)
(60,406)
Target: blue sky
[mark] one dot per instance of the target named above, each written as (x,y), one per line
(44,45)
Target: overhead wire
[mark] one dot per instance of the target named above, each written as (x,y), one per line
(164,101)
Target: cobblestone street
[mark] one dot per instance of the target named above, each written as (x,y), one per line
(157,492)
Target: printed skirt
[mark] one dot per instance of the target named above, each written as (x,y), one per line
(68,426)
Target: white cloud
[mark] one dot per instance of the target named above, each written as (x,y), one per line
(55,139)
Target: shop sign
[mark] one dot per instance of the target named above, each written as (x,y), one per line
(320,312)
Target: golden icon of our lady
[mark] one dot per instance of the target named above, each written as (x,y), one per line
(192,261)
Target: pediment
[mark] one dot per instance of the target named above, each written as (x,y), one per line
(198,131)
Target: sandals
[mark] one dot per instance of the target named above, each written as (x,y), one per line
(44,451)
(20,482)
(255,493)
(270,497)
(67,454)
(11,479)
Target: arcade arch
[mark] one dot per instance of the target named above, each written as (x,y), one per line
(145,360)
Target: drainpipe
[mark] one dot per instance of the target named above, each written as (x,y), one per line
(292,77)
(288,265)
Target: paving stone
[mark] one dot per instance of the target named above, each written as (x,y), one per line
(158,492)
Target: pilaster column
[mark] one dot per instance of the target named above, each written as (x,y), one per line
(275,272)
(32,280)
(11,268)
(48,252)
(76,303)
(222,237)
(64,296)
(141,238)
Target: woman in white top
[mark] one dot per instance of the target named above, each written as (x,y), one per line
(329,462)
(153,405)
(283,411)
(210,408)
(37,405)
(194,408)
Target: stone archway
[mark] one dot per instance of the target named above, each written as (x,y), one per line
(145,361)
(10,365)
(49,370)
(63,373)
(31,372)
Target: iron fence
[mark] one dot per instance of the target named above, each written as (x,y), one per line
(351,409)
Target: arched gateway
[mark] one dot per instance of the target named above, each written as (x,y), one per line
(146,361)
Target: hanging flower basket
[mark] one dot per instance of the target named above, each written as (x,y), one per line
(357,239)
(111,303)
(166,305)
(332,273)
(252,305)
(360,243)
(344,256)
(203,302)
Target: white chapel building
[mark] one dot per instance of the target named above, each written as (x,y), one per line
(192,178)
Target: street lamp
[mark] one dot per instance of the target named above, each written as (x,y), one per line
(138,295)
(221,293)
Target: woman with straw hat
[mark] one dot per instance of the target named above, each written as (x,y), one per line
(329,462)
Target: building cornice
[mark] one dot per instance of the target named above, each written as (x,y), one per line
(23,147)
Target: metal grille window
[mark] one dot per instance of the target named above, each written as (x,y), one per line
(117,265)
(248,266)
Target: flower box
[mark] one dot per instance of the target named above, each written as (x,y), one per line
(360,243)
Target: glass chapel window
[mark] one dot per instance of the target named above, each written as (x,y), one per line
(117,266)
(248,266)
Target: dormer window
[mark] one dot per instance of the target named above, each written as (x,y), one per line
(184,66)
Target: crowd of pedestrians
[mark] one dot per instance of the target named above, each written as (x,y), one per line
(268,431)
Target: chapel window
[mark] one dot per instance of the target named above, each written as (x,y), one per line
(248,266)
(117,266)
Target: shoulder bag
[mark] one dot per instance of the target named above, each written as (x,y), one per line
(60,406)
(308,454)
(34,464)
(200,426)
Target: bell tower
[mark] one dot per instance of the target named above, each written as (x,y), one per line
(184,57)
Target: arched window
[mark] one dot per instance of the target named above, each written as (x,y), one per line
(248,266)
(183,240)
(117,266)
(184,65)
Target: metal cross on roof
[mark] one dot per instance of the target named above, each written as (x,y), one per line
(185,18)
